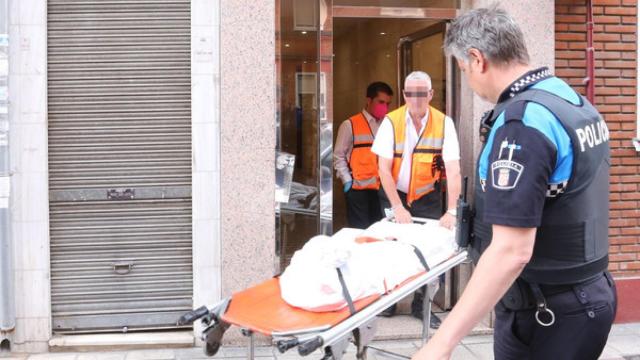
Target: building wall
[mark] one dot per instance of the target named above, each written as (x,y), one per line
(615,97)
(205,135)
(29,204)
(247,124)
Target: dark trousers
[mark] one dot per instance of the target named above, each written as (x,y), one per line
(363,208)
(428,206)
(584,316)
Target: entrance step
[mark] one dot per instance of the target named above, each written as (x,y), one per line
(110,342)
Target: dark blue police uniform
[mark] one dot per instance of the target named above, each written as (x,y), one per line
(545,164)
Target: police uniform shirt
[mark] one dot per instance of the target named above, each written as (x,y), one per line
(526,162)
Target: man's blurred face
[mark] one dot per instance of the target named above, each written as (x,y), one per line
(417,96)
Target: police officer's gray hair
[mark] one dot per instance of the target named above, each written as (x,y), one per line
(418,76)
(492,31)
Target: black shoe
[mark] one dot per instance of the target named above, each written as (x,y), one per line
(389,312)
(434,321)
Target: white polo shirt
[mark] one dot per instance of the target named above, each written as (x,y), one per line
(384,143)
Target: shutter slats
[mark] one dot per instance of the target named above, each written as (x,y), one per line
(119,110)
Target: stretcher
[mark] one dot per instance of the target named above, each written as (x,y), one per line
(260,309)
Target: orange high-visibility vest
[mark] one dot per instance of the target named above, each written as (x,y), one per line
(363,162)
(424,169)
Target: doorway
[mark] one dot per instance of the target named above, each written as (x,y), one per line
(373,49)
(327,52)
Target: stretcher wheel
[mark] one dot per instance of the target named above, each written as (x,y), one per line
(284,345)
(212,337)
(309,346)
(210,349)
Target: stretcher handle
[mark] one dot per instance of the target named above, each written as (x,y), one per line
(193,315)
(309,346)
(284,345)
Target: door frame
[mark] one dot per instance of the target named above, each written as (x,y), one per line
(452,90)
(387,12)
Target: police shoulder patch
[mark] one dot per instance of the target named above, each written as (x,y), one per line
(505,174)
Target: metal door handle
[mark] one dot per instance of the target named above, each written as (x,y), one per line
(124,194)
(122,268)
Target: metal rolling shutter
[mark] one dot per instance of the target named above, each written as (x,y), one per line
(119,98)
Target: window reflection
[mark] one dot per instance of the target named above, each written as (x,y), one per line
(298,121)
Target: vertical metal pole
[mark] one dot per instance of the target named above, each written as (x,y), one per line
(590,79)
(251,349)
(426,314)
(7,310)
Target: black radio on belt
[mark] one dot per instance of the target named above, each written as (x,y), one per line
(486,123)
(464,214)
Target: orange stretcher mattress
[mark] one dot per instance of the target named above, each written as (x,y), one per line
(261,309)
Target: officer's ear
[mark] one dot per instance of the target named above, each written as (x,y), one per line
(477,61)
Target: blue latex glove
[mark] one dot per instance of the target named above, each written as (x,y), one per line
(347,186)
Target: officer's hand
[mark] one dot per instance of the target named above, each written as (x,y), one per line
(447,220)
(402,215)
(347,186)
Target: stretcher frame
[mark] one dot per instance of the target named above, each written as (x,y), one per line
(358,328)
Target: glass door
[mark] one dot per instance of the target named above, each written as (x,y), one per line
(304,123)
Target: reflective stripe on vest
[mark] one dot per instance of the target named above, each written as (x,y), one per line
(362,184)
(425,189)
(363,162)
(429,145)
(430,142)
(363,139)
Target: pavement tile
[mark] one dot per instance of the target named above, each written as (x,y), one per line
(478,339)
(53,356)
(195,353)
(405,351)
(625,344)
(151,355)
(400,344)
(102,356)
(610,353)
(633,327)
(241,352)
(462,353)
(483,351)
(623,329)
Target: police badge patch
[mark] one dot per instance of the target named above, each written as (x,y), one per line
(505,173)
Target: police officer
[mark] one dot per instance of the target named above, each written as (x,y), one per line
(541,224)
(355,164)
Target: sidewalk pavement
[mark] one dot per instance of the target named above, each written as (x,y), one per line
(623,344)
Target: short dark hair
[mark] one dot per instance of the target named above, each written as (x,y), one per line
(376,87)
